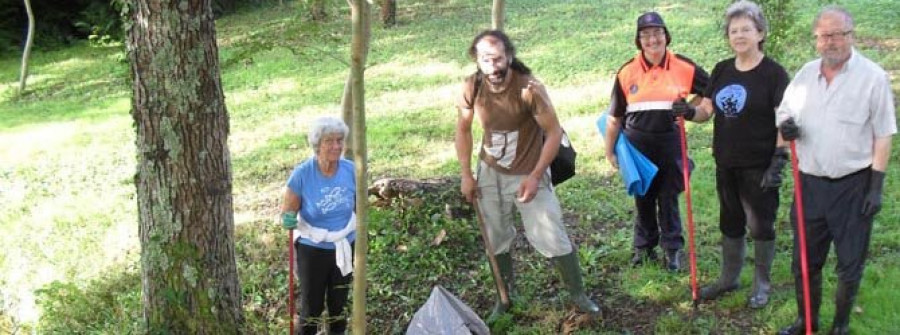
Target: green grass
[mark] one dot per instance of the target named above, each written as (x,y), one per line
(67,207)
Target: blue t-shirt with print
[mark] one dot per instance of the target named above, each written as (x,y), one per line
(325,202)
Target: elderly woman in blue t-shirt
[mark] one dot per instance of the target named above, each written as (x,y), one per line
(319,204)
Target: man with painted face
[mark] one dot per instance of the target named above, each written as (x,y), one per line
(839,109)
(644,92)
(521,137)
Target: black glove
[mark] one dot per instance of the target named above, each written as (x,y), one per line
(772,177)
(789,130)
(682,108)
(872,204)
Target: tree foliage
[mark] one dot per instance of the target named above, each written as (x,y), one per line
(782,17)
(60,22)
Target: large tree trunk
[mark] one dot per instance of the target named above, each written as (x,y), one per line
(23,78)
(497,14)
(360,13)
(183,180)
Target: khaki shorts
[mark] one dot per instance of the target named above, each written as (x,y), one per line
(541,217)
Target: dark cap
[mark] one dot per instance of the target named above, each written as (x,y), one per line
(650,19)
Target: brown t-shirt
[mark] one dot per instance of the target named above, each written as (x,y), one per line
(512,138)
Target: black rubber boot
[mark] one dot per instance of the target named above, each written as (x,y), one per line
(843,305)
(505,265)
(815,300)
(571,274)
(732,261)
(764,252)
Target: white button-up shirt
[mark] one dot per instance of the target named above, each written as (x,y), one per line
(839,121)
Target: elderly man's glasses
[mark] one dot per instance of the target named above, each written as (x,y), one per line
(838,35)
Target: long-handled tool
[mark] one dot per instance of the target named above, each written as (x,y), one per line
(801,236)
(685,172)
(291,278)
(489,249)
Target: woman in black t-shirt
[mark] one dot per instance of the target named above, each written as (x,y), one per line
(743,94)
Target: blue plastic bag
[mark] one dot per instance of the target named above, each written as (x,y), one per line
(636,170)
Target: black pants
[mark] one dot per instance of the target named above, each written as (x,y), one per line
(321,282)
(832,210)
(743,204)
(658,221)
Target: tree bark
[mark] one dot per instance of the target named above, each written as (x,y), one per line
(347,112)
(347,96)
(361,30)
(317,10)
(389,12)
(23,77)
(497,14)
(183,180)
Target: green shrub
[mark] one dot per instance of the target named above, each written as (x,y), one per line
(110,305)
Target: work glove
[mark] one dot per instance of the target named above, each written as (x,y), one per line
(772,177)
(289,220)
(682,108)
(872,203)
(789,130)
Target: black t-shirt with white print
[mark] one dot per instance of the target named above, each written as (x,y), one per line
(745,103)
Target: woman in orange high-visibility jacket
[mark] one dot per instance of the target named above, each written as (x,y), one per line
(644,91)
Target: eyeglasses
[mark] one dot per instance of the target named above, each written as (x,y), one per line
(648,34)
(839,35)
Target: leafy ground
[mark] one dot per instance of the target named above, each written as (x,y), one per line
(67,160)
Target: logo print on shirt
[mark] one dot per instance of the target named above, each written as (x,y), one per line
(333,198)
(731,100)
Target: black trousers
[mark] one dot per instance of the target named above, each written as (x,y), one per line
(321,283)
(832,210)
(743,204)
(658,221)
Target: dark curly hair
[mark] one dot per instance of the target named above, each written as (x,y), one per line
(508,47)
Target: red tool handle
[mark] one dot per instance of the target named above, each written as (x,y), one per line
(685,172)
(801,236)
(291,278)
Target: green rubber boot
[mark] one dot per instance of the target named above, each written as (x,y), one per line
(764,252)
(505,265)
(568,268)
(732,262)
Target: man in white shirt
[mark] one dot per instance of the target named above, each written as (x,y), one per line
(840,110)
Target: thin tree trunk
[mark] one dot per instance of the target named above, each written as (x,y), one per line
(497,14)
(389,12)
(183,180)
(317,9)
(347,96)
(23,77)
(360,18)
(347,112)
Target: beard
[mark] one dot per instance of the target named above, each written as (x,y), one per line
(833,57)
(498,76)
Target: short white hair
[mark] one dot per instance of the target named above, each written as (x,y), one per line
(750,10)
(325,125)
(835,9)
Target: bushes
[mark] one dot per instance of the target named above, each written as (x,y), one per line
(111,305)
(59,23)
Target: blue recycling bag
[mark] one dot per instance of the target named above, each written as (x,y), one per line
(636,170)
